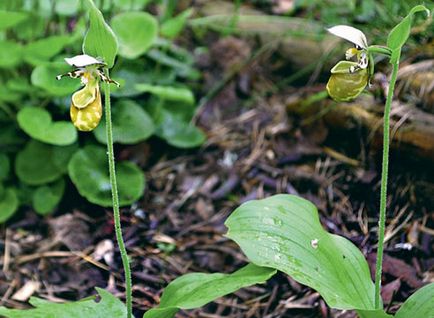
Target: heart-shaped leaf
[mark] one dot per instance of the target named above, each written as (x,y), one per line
(100,41)
(107,306)
(131,124)
(8,204)
(40,163)
(284,232)
(136,32)
(88,170)
(46,198)
(197,289)
(37,123)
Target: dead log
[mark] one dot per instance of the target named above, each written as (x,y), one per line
(412,129)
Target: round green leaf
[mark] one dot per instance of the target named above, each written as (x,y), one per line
(37,123)
(46,198)
(131,124)
(42,50)
(40,163)
(136,32)
(8,204)
(88,170)
(284,232)
(5,166)
(178,132)
(10,54)
(44,76)
(179,94)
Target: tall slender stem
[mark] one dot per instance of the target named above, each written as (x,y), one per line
(115,197)
(383,193)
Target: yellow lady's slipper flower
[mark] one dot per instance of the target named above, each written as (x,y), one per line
(86,107)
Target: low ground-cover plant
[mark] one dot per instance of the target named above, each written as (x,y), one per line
(281,232)
(40,150)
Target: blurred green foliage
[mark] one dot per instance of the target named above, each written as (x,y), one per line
(39,147)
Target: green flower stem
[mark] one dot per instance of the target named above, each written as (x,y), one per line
(384,175)
(115,197)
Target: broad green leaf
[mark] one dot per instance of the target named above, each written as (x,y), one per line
(172,27)
(136,32)
(99,41)
(178,132)
(108,306)
(37,123)
(40,163)
(179,94)
(379,313)
(131,124)
(10,54)
(400,33)
(9,19)
(46,198)
(88,170)
(197,289)
(418,305)
(284,232)
(8,205)
(44,76)
(5,166)
(42,50)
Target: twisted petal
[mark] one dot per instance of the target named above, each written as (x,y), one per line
(350,34)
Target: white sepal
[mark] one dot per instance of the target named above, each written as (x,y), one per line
(350,34)
(82,60)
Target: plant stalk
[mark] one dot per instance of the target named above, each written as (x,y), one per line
(383,192)
(115,198)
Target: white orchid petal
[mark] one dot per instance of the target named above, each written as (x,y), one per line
(350,34)
(82,60)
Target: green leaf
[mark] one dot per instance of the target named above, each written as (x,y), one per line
(379,313)
(171,93)
(284,232)
(108,306)
(10,54)
(44,76)
(9,19)
(172,27)
(182,69)
(178,132)
(88,170)
(99,41)
(46,198)
(418,305)
(131,124)
(8,205)
(136,32)
(400,33)
(197,289)
(42,50)
(37,123)
(40,163)
(5,166)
